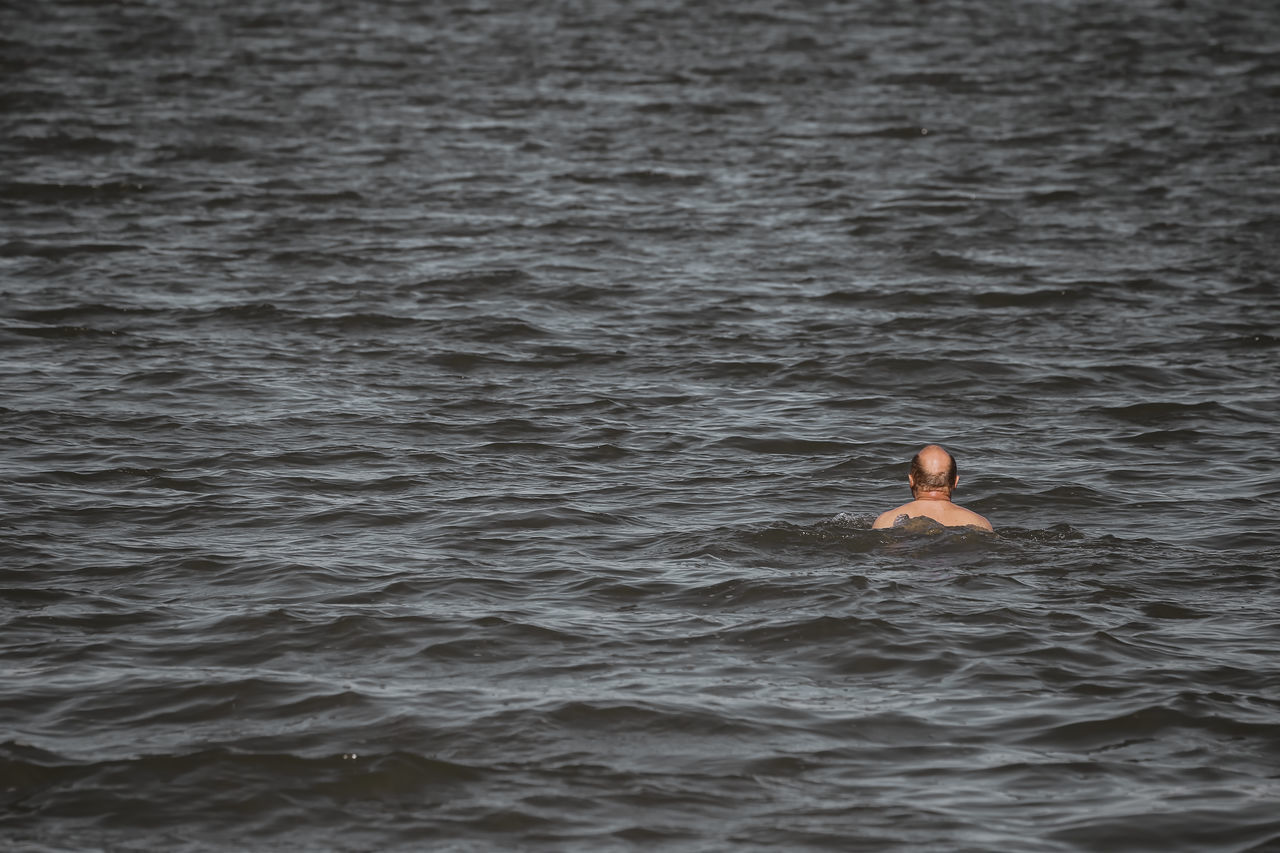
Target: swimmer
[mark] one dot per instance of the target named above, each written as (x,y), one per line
(933,479)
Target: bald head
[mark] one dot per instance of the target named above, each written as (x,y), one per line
(933,470)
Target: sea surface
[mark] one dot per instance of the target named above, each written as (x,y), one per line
(458,425)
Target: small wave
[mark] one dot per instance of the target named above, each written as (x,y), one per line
(63,333)
(203,152)
(70,143)
(784,446)
(1164,437)
(60,251)
(641,718)
(474,283)
(58,193)
(247,311)
(1146,724)
(84,311)
(1169,415)
(890,131)
(949,262)
(1039,298)
(541,519)
(363,321)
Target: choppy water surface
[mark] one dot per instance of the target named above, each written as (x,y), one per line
(458,425)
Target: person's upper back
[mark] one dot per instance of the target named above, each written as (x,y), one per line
(941,511)
(951,514)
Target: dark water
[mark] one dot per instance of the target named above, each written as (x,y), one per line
(458,425)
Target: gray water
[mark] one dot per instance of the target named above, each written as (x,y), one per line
(458,426)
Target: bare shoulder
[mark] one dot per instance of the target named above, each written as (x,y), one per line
(886,519)
(972,519)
